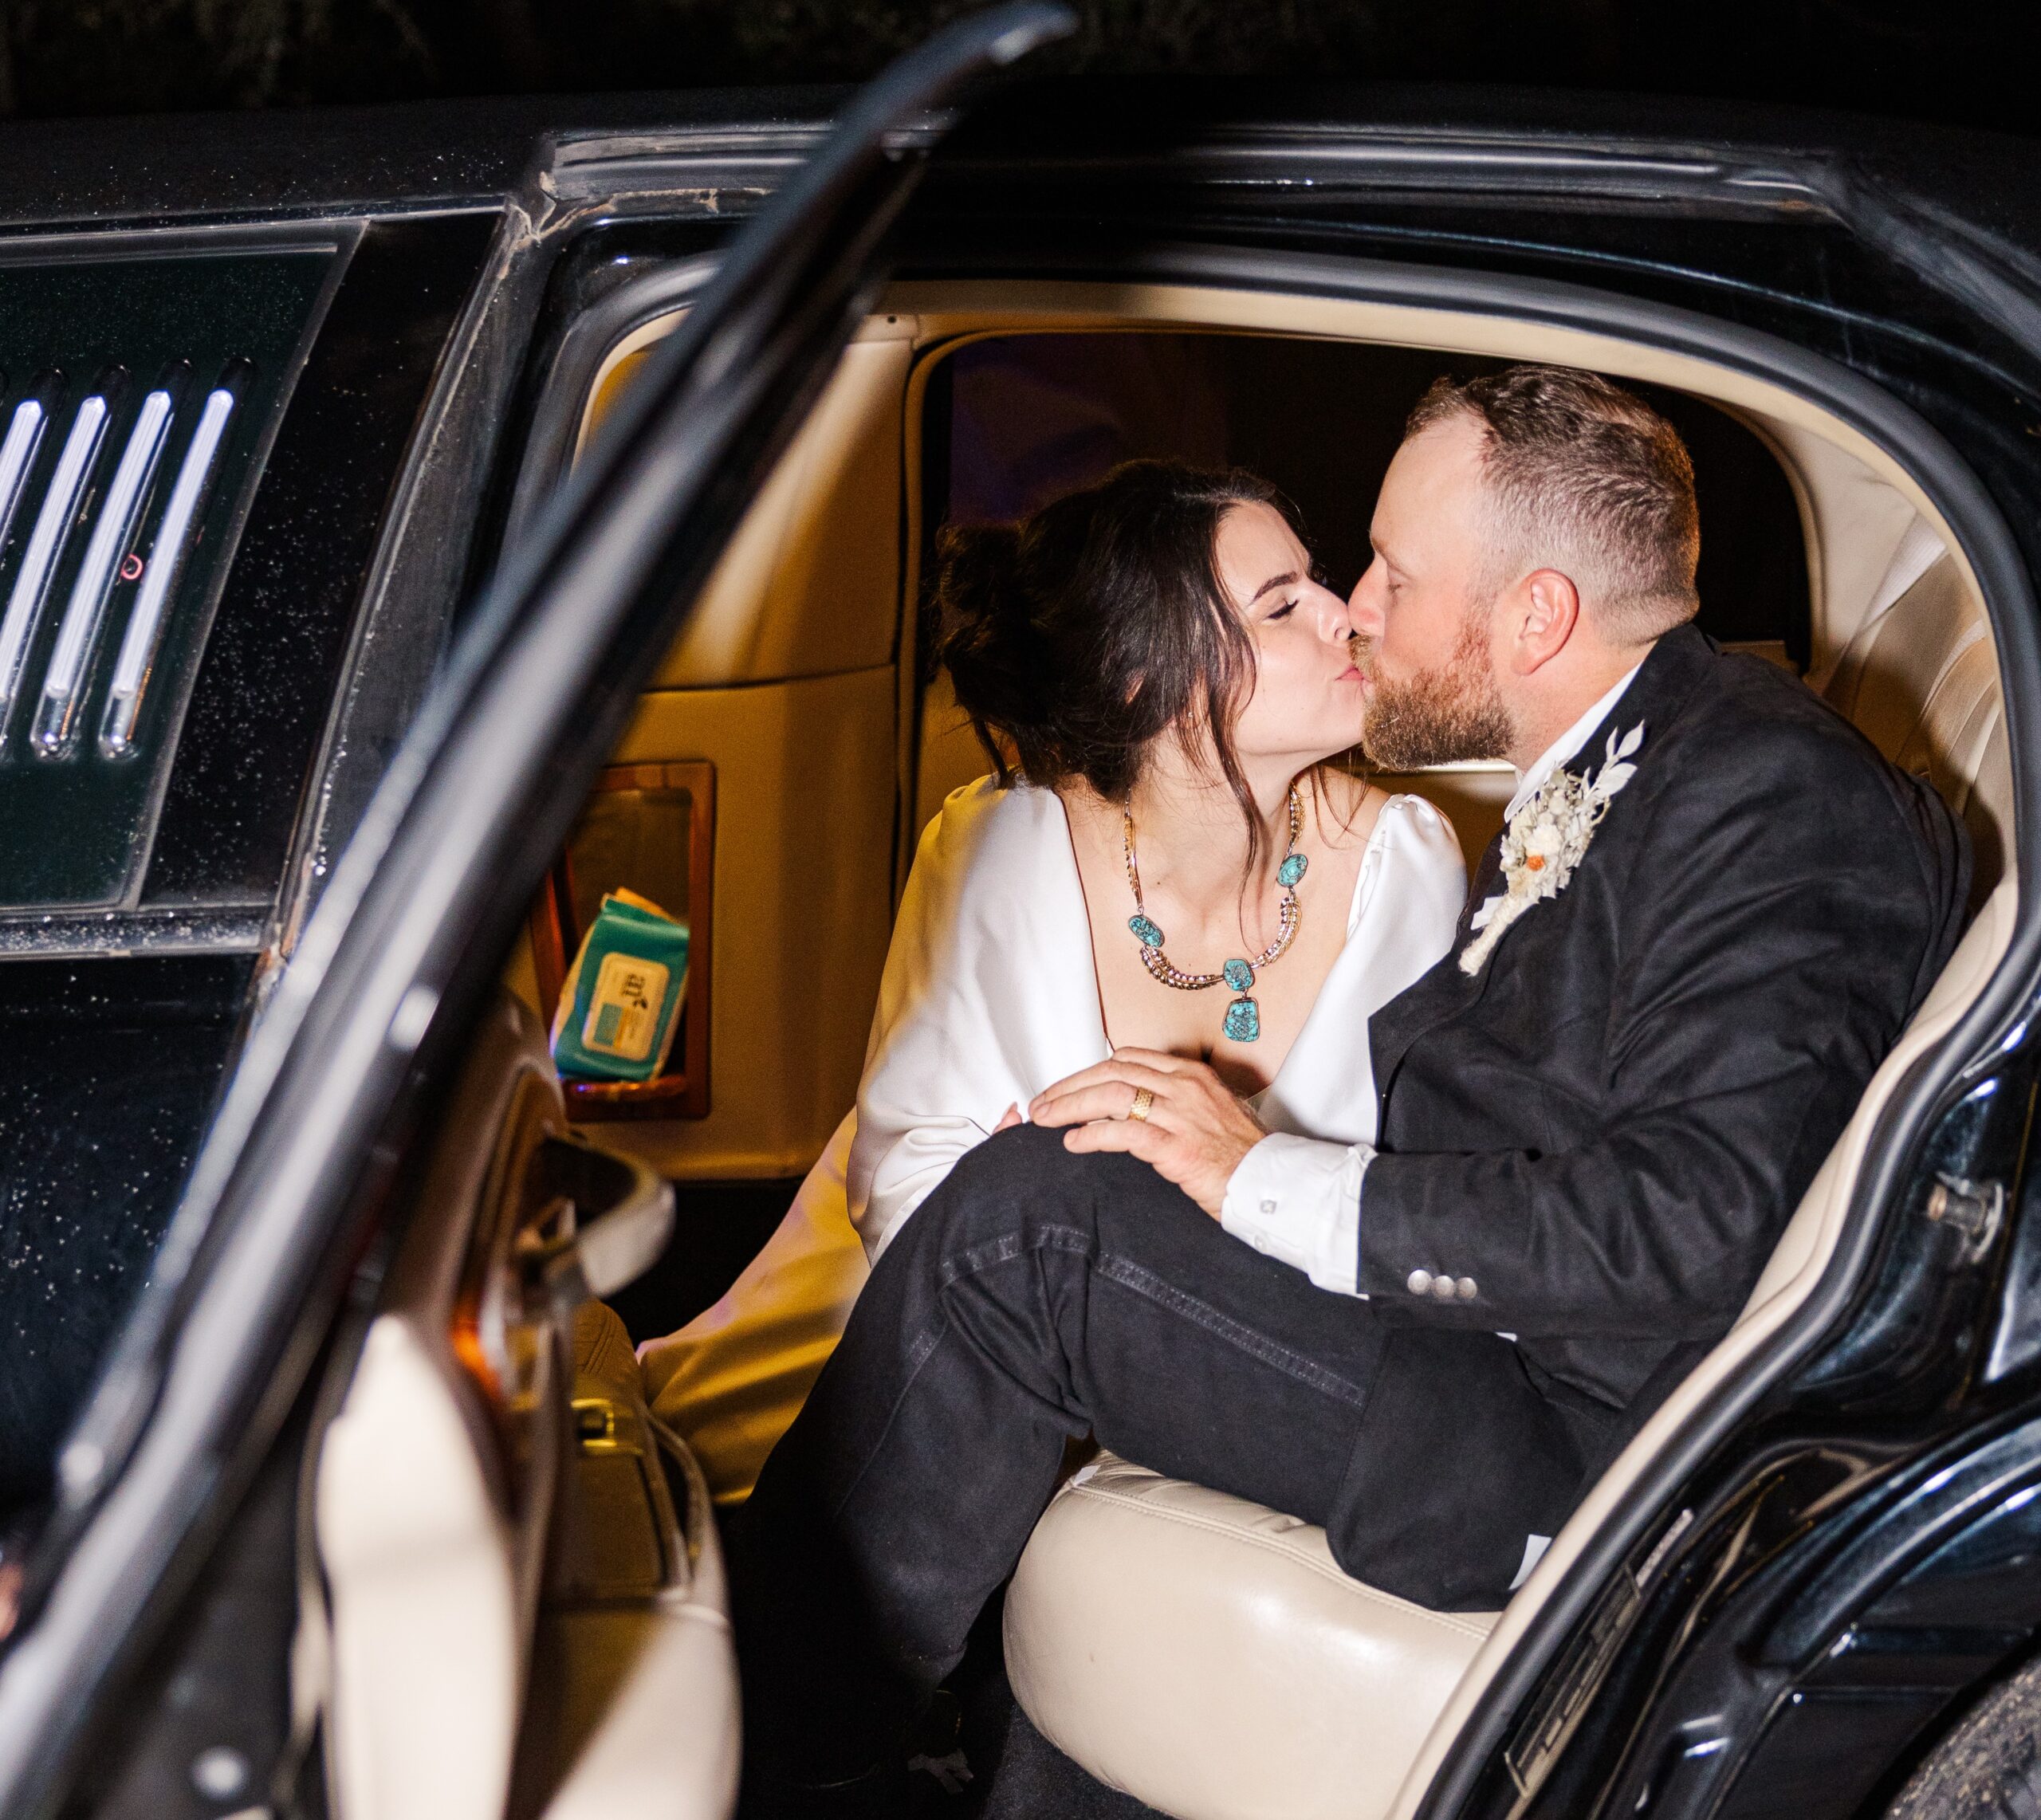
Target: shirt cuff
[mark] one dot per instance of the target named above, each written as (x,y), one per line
(1298,1199)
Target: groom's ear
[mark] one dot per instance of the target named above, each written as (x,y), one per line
(1544,615)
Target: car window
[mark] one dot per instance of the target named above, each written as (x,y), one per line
(1012,422)
(1033,417)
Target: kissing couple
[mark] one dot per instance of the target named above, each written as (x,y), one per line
(1210,1114)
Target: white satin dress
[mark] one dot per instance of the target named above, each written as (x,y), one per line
(989,994)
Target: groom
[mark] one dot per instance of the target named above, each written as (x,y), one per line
(1713,910)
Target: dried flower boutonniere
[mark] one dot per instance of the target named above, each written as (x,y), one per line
(1547,839)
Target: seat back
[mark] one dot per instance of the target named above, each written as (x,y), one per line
(1921,679)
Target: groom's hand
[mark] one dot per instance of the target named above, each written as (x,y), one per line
(1196,1131)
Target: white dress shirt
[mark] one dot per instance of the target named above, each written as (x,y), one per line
(1298,1198)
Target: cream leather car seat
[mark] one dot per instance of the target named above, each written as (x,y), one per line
(1207,1656)
(1920,677)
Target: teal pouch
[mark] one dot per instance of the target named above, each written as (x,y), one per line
(619,1005)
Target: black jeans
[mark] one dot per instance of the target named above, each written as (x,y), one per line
(1036,1295)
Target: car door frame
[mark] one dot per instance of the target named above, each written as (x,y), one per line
(368,1020)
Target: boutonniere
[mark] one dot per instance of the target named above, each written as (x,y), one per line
(1548,838)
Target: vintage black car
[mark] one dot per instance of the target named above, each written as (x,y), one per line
(418,520)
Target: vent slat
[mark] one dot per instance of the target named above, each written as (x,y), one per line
(56,719)
(18,455)
(174,537)
(52,524)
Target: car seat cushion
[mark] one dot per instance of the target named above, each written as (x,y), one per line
(1209,1656)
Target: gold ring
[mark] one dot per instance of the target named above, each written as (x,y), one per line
(1144,1098)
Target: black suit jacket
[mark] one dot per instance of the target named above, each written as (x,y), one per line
(1598,1138)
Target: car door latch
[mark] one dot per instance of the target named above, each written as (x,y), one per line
(1975,1209)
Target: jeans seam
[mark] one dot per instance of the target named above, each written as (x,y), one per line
(1128,1276)
(1013,1245)
(1143,1282)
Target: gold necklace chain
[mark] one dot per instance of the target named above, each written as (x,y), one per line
(1243,1016)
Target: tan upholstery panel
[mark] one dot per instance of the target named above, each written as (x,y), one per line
(811,583)
(638,1696)
(1471,796)
(1989,811)
(1921,679)
(1209,1657)
(1886,676)
(431,1565)
(657,1686)
(948,755)
(803,909)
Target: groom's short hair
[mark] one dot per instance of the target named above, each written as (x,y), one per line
(1589,479)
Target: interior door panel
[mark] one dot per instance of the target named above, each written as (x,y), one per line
(803,908)
(632,1709)
(521,1575)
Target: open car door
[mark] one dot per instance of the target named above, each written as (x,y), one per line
(385,1077)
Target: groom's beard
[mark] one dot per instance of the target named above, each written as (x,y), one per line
(1439,717)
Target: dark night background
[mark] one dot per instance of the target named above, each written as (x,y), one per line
(1963,62)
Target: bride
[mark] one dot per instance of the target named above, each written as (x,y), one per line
(1163,860)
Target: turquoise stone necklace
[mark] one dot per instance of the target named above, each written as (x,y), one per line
(1243,1016)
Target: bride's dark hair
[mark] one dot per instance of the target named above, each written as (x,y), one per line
(1079,636)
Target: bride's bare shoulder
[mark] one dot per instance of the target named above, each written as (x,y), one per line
(1349,807)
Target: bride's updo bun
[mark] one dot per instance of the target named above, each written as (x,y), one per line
(1077,637)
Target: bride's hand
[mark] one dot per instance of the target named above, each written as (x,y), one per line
(1007,1119)
(1195,1133)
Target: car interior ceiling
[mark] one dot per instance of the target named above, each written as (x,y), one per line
(800,686)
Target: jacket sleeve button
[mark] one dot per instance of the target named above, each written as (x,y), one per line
(1418,1281)
(1442,1288)
(1468,1287)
